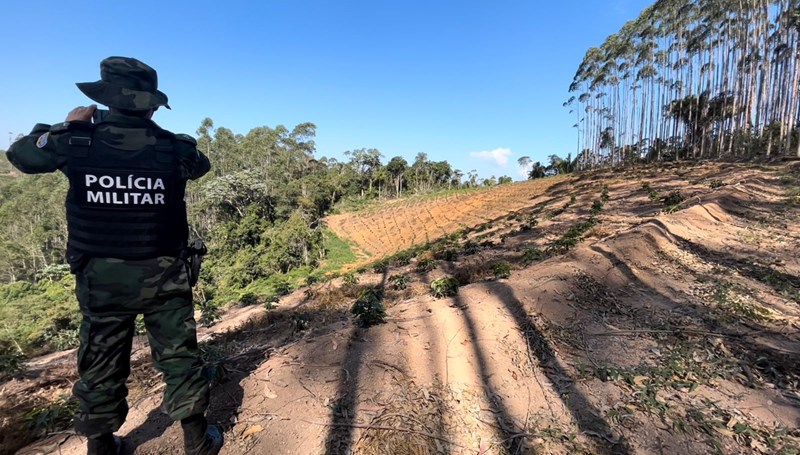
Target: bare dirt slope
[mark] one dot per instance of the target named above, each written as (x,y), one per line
(657,333)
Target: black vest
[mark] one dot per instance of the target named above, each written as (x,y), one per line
(124,203)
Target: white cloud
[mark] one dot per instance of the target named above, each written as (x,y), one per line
(498,155)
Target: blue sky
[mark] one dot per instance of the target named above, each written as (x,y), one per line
(477,83)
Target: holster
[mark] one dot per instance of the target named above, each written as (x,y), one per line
(193,255)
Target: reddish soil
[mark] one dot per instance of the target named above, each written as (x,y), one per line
(659,333)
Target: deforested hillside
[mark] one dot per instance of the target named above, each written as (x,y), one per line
(637,311)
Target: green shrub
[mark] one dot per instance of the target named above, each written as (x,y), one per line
(282,286)
(138,325)
(426,265)
(501,270)
(350,279)
(247,299)
(271,301)
(714,184)
(446,254)
(532,254)
(470,247)
(398,282)
(672,199)
(604,196)
(444,287)
(597,207)
(53,417)
(380,266)
(12,360)
(215,360)
(209,314)
(368,308)
(571,237)
(402,258)
(59,337)
(311,279)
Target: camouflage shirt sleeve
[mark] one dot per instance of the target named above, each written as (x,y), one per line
(38,152)
(195,163)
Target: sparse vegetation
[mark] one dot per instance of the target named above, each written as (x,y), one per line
(53,416)
(672,200)
(209,314)
(571,238)
(380,266)
(532,254)
(444,287)
(501,270)
(12,360)
(350,279)
(368,308)
(604,195)
(733,306)
(398,282)
(271,301)
(426,265)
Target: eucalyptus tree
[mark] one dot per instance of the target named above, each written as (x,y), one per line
(692,78)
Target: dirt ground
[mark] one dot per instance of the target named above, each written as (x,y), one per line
(670,327)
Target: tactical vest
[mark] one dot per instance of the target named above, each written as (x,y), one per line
(122,203)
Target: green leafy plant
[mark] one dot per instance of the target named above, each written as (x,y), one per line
(714,184)
(282,287)
(470,247)
(350,279)
(271,301)
(426,265)
(672,200)
(380,266)
(402,258)
(597,207)
(571,237)
(138,325)
(52,417)
(532,254)
(604,196)
(311,280)
(12,360)
(247,299)
(398,282)
(215,360)
(444,287)
(209,314)
(501,270)
(446,254)
(368,308)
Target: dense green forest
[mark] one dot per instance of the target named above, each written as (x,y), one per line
(259,210)
(691,79)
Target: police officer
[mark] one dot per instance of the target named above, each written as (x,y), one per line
(128,231)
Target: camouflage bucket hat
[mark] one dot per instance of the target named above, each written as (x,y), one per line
(125,83)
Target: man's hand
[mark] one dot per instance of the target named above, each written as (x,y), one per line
(81,113)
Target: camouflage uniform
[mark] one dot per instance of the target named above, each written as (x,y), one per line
(110,291)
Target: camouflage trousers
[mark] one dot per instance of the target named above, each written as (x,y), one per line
(111,292)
